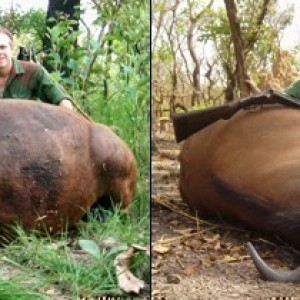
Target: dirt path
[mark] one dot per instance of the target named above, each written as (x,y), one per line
(203,259)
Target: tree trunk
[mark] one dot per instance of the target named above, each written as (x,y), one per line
(196,60)
(239,47)
(171,37)
(194,21)
(55,8)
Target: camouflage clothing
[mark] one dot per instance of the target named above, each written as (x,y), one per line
(31,81)
(294,90)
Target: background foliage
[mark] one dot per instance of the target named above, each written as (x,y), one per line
(193,49)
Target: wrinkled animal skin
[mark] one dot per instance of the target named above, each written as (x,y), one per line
(54,165)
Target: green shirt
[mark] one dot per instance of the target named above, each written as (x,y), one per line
(294,90)
(31,81)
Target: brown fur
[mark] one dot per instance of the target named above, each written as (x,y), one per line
(247,169)
(54,165)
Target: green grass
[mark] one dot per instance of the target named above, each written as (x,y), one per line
(78,277)
(13,290)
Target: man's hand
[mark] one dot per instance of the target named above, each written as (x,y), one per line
(66,103)
(252,86)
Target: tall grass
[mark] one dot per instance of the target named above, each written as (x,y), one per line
(13,290)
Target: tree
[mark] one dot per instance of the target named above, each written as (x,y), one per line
(60,10)
(239,47)
(260,25)
(243,43)
(20,23)
(203,52)
(193,23)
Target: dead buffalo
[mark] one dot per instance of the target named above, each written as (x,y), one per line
(248,169)
(54,165)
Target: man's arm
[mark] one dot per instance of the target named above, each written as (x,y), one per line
(252,86)
(50,91)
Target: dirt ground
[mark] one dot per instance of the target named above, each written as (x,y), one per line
(204,259)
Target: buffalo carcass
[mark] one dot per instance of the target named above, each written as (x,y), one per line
(248,169)
(54,165)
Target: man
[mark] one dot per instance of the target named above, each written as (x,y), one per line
(26,80)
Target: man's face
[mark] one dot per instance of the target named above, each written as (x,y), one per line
(6,51)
